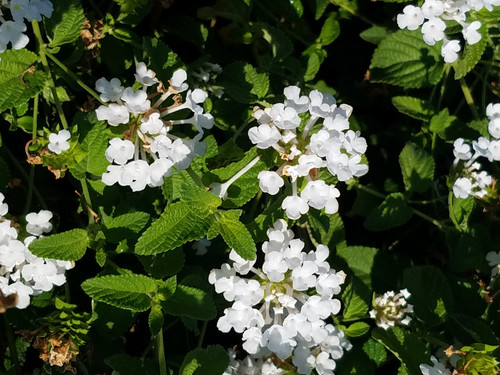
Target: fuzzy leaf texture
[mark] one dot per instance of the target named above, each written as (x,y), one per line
(472,54)
(405,346)
(235,234)
(404,59)
(66,22)
(17,83)
(180,222)
(413,107)
(210,361)
(130,292)
(190,302)
(417,167)
(360,260)
(243,83)
(392,212)
(430,294)
(70,245)
(93,143)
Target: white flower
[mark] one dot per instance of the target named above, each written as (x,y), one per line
(436,369)
(264,136)
(411,18)
(462,187)
(432,8)
(461,150)
(294,206)
(144,75)
(284,117)
(120,151)
(177,82)
(4,207)
(39,223)
(31,10)
(294,100)
(12,32)
(59,142)
(493,111)
(471,34)
(137,102)
(114,114)
(391,308)
(433,31)
(450,50)
(201,246)
(494,127)
(110,90)
(153,124)
(270,182)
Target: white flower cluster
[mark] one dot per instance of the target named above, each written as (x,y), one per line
(432,14)
(284,308)
(11,31)
(149,132)
(475,181)
(21,272)
(250,366)
(391,308)
(330,144)
(436,368)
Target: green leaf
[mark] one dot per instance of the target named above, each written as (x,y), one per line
(70,245)
(404,59)
(163,264)
(314,60)
(243,83)
(17,82)
(66,22)
(235,234)
(130,292)
(179,223)
(326,229)
(280,44)
(191,302)
(124,226)
(441,122)
(392,212)
(357,329)
(162,59)
(417,167)
(330,30)
(320,8)
(130,6)
(472,54)
(405,346)
(413,107)
(93,144)
(430,294)
(360,260)
(357,298)
(155,320)
(210,361)
(374,34)
(375,351)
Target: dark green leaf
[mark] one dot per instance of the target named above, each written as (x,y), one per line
(392,212)
(65,23)
(70,245)
(417,167)
(210,361)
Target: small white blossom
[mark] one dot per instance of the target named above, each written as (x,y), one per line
(39,223)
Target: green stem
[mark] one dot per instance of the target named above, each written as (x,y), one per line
(467,94)
(25,177)
(452,214)
(50,80)
(195,177)
(12,345)
(31,177)
(415,211)
(161,353)
(87,201)
(202,334)
(77,79)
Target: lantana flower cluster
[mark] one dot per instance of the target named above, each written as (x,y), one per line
(391,309)
(150,150)
(432,16)
(284,308)
(325,142)
(474,181)
(21,272)
(251,366)
(12,31)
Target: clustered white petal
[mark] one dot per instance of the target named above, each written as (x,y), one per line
(283,309)
(150,152)
(436,368)
(432,14)
(12,31)
(391,309)
(473,181)
(251,366)
(21,272)
(326,142)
